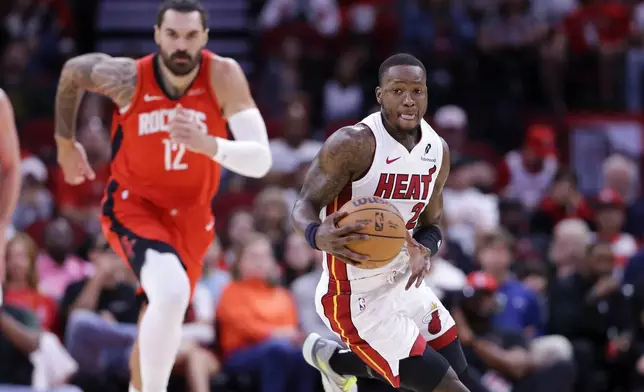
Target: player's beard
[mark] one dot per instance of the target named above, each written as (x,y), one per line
(183,67)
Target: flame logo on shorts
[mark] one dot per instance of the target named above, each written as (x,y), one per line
(435,325)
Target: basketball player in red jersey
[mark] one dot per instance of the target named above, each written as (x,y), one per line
(169,143)
(9,175)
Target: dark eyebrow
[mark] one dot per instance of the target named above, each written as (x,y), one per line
(400,81)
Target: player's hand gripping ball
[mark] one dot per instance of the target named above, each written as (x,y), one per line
(384,226)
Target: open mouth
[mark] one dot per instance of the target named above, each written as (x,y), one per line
(408,117)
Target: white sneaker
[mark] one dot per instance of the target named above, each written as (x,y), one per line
(317,352)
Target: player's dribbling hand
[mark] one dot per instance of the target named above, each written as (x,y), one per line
(333,239)
(73,161)
(184,130)
(418,262)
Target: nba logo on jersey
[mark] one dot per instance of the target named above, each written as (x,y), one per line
(362,304)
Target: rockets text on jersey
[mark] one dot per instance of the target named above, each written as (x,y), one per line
(145,160)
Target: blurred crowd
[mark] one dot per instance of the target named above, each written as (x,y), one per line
(531,265)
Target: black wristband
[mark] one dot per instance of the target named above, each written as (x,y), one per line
(430,237)
(310,233)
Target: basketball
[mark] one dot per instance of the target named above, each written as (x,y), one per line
(385,226)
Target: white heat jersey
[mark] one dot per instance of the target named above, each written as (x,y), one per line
(405,178)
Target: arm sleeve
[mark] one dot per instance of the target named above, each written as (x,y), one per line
(249,154)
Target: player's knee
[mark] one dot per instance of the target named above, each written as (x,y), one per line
(165,281)
(426,372)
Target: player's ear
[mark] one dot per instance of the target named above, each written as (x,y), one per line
(379,95)
(157,35)
(206,34)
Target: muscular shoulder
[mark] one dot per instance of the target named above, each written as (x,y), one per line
(349,148)
(223,68)
(114,77)
(228,82)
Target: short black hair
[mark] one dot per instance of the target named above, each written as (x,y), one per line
(399,59)
(183,6)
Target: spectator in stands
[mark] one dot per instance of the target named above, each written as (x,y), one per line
(282,76)
(216,272)
(21,285)
(596,32)
(552,11)
(81,203)
(519,307)
(444,277)
(568,248)
(467,210)
(31,361)
(298,258)
(534,275)
(514,217)
(593,295)
(509,40)
(323,15)
(501,356)
(303,289)
(294,147)
(57,265)
(609,221)
(451,123)
(36,202)
(620,174)
(258,324)
(562,201)
(343,94)
(271,217)
(435,27)
(635,60)
(526,174)
(100,315)
(240,224)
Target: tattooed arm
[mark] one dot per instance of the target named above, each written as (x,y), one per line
(99,73)
(345,157)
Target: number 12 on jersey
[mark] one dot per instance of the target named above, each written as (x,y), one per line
(173,156)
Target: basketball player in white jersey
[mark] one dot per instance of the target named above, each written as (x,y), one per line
(395,327)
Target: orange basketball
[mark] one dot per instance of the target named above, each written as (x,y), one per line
(385,226)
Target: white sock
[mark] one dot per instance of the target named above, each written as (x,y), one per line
(168,290)
(132,389)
